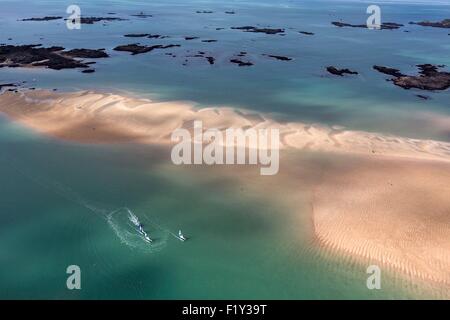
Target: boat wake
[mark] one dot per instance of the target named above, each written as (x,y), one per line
(122,221)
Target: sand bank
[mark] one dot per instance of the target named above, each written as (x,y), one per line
(393,212)
(96,117)
(387,201)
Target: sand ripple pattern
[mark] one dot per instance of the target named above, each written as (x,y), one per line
(392,213)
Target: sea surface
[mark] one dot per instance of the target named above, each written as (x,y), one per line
(67,204)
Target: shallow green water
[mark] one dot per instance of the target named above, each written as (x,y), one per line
(60,205)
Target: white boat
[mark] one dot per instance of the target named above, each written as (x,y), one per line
(144,234)
(181,236)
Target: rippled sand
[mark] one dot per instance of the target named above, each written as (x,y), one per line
(380,198)
(393,211)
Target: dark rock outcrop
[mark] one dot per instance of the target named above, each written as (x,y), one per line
(429,78)
(136,35)
(52,57)
(306,33)
(389,71)
(137,49)
(92,20)
(47,18)
(259,30)
(241,63)
(86,53)
(208,41)
(439,24)
(384,26)
(7,85)
(211,60)
(55,48)
(340,72)
(133,48)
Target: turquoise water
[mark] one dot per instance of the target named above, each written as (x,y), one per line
(65,203)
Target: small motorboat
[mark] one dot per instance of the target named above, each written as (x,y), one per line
(144,234)
(181,236)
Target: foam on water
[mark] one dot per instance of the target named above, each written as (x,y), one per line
(123,222)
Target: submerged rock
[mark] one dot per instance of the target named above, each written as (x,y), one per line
(282,58)
(340,72)
(156,36)
(142,15)
(201,54)
(306,33)
(423,97)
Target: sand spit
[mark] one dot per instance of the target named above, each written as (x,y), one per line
(379,198)
(101,118)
